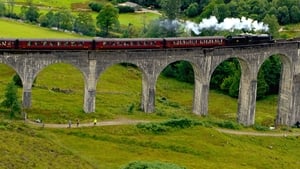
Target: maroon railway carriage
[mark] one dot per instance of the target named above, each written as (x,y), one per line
(55,44)
(8,44)
(207,41)
(127,43)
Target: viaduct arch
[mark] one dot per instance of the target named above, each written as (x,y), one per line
(151,62)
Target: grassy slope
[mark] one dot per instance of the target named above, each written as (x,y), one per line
(290,31)
(111,147)
(13,29)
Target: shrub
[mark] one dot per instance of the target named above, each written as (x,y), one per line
(17,80)
(125,9)
(131,108)
(155,128)
(180,123)
(260,127)
(165,126)
(228,125)
(96,6)
(151,165)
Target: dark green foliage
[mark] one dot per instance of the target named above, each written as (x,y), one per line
(32,14)
(272,69)
(84,24)
(226,77)
(161,127)
(274,26)
(229,125)
(151,165)
(192,10)
(260,127)
(182,71)
(166,102)
(96,6)
(62,19)
(107,18)
(155,128)
(48,20)
(17,80)
(125,9)
(262,86)
(180,123)
(131,108)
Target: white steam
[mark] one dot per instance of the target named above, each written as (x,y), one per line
(229,24)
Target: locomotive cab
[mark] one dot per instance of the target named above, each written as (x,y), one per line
(248,39)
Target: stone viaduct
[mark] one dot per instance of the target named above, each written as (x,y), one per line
(28,64)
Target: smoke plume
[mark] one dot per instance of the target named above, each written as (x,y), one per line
(229,24)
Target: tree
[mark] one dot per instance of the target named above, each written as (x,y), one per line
(273,24)
(283,15)
(192,10)
(64,20)
(107,17)
(170,8)
(262,86)
(11,100)
(221,11)
(32,14)
(48,20)
(84,23)
(2,9)
(295,14)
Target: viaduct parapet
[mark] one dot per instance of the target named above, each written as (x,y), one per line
(28,64)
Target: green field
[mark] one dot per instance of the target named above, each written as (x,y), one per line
(13,29)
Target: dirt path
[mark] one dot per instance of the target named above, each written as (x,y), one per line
(277,134)
(132,122)
(74,125)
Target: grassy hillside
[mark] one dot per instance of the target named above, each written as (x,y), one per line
(14,29)
(290,31)
(111,147)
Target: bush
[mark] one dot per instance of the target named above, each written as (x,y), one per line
(180,123)
(96,6)
(229,125)
(155,128)
(260,127)
(165,126)
(126,9)
(17,80)
(151,165)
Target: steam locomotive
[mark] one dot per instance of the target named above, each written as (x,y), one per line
(133,43)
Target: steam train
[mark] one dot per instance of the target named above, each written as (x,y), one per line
(133,43)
